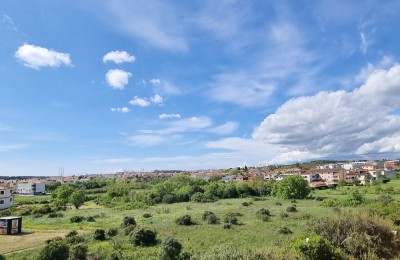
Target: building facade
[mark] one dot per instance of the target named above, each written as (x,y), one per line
(6,197)
(31,188)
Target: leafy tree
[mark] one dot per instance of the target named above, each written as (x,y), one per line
(52,186)
(77,198)
(62,193)
(215,177)
(143,237)
(128,221)
(99,234)
(54,249)
(78,252)
(170,249)
(292,187)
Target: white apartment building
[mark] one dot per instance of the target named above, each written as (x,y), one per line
(31,188)
(6,197)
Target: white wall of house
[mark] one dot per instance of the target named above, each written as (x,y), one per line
(31,188)
(6,198)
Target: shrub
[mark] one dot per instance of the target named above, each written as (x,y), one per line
(319,198)
(210,217)
(231,218)
(278,203)
(112,232)
(293,201)
(129,230)
(246,204)
(128,221)
(143,237)
(285,231)
(292,187)
(170,249)
(78,252)
(147,215)
(227,226)
(90,219)
(314,247)
(185,220)
(54,249)
(168,199)
(77,219)
(284,215)
(114,256)
(291,208)
(263,214)
(55,215)
(99,234)
(359,234)
(2,257)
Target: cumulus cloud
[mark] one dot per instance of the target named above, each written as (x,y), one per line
(141,102)
(162,116)
(337,123)
(118,57)
(120,109)
(36,57)
(157,99)
(117,78)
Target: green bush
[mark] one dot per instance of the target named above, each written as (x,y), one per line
(291,208)
(292,187)
(284,215)
(147,215)
(143,237)
(77,219)
(129,230)
(210,217)
(359,234)
(99,234)
(284,230)
(227,226)
(185,220)
(232,218)
(170,249)
(314,247)
(55,215)
(114,256)
(128,221)
(2,257)
(54,249)
(78,252)
(73,237)
(168,199)
(90,219)
(112,232)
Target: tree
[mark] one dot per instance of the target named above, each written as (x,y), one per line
(77,198)
(143,237)
(170,249)
(215,177)
(62,193)
(292,187)
(78,252)
(54,249)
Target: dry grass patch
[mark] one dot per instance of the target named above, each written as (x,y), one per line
(27,240)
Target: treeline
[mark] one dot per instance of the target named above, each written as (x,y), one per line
(179,188)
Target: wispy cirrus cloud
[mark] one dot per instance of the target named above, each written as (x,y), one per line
(162,116)
(36,57)
(155,22)
(182,125)
(11,147)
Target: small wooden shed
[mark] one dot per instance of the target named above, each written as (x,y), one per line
(10,225)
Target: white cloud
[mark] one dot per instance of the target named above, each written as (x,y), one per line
(183,125)
(9,22)
(157,99)
(120,109)
(118,57)
(224,129)
(36,57)
(292,157)
(339,123)
(364,43)
(162,116)
(141,102)
(117,78)
(155,22)
(155,82)
(11,147)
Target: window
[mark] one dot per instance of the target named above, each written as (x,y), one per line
(10,199)
(1,201)
(2,192)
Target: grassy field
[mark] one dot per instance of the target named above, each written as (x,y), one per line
(200,238)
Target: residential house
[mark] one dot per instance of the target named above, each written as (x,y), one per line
(6,197)
(31,188)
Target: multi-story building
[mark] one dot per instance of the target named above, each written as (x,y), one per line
(31,188)
(6,197)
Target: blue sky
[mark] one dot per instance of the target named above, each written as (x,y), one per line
(100,86)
